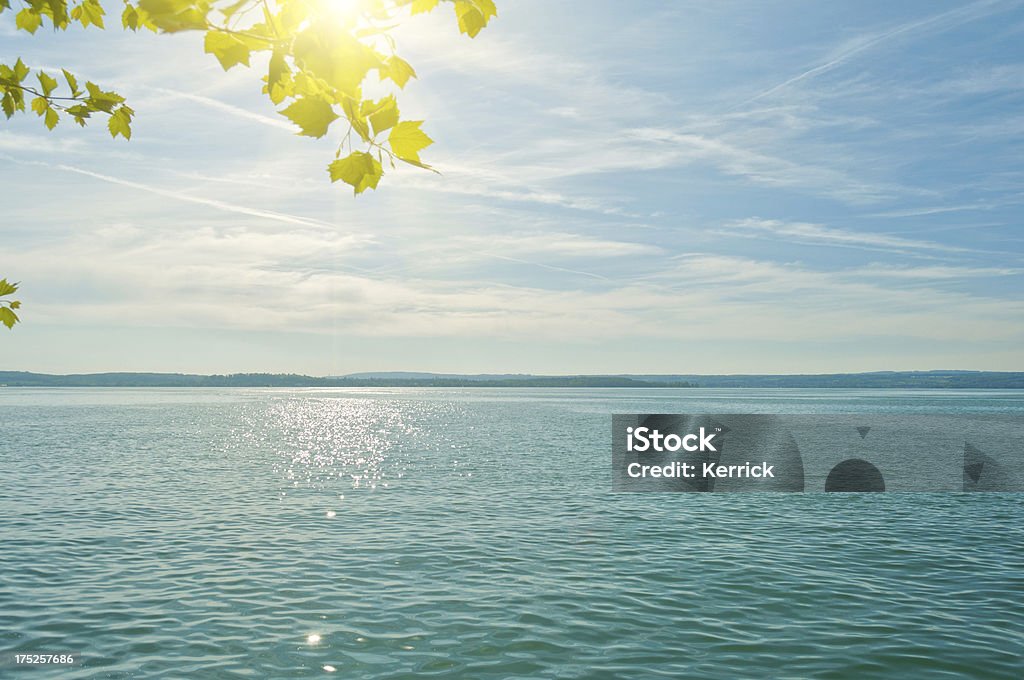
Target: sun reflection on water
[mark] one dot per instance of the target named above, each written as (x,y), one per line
(363,443)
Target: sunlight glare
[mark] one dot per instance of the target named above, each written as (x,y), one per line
(346,12)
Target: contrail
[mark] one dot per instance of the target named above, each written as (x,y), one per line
(959,12)
(543,266)
(209,202)
(233,110)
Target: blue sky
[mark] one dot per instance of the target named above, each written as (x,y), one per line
(643,187)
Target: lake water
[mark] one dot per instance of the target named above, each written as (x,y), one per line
(473,534)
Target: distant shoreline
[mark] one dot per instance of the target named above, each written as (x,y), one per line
(882,379)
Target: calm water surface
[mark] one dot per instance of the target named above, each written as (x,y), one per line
(472,534)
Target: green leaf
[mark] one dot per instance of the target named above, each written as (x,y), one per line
(407,140)
(7,104)
(471,19)
(421,6)
(354,112)
(399,70)
(385,116)
(80,112)
(100,100)
(40,105)
(51,118)
(47,83)
(72,83)
(335,57)
(135,18)
(58,12)
(27,20)
(20,70)
(172,16)
(359,169)
(311,114)
(230,10)
(228,49)
(419,164)
(277,75)
(130,18)
(89,12)
(120,123)
(488,8)
(8,317)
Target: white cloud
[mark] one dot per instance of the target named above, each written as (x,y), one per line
(35,143)
(246,280)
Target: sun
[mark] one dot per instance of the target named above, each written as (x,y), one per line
(345,12)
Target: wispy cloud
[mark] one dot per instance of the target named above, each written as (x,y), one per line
(208,202)
(762,168)
(561,244)
(988,79)
(817,234)
(542,265)
(887,271)
(869,41)
(703,296)
(479,181)
(933,210)
(12,141)
(232,110)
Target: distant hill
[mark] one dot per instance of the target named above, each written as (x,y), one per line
(24,379)
(948,379)
(882,379)
(410,375)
